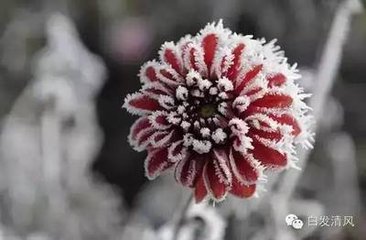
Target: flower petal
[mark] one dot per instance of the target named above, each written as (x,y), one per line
(288,120)
(140,124)
(267,156)
(177,151)
(217,175)
(209,45)
(242,190)
(248,76)
(193,59)
(161,138)
(159,120)
(235,67)
(140,104)
(156,162)
(243,169)
(200,191)
(272,100)
(169,54)
(148,72)
(189,170)
(276,80)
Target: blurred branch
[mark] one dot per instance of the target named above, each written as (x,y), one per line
(324,79)
(181,217)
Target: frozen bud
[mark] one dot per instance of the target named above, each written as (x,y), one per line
(219,135)
(213,91)
(205,132)
(185,125)
(201,146)
(182,93)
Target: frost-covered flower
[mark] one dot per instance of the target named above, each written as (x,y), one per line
(218,108)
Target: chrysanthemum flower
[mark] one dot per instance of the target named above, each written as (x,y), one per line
(218,108)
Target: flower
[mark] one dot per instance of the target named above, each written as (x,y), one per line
(219,108)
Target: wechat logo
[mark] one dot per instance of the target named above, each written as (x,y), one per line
(294,221)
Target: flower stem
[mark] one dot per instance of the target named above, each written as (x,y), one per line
(180,218)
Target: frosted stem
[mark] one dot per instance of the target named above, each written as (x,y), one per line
(324,79)
(180,218)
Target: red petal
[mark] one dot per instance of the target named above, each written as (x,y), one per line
(273,101)
(148,72)
(242,190)
(234,69)
(194,59)
(170,57)
(275,135)
(169,77)
(159,120)
(140,124)
(247,78)
(140,103)
(143,139)
(268,156)
(200,191)
(289,120)
(276,80)
(156,162)
(188,170)
(241,167)
(217,175)
(209,44)
(177,151)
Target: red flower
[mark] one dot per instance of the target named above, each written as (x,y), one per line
(218,108)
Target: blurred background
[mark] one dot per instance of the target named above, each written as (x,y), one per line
(66,169)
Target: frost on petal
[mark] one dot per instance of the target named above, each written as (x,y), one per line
(156,162)
(166,102)
(241,103)
(159,120)
(141,124)
(276,80)
(217,176)
(273,135)
(189,169)
(288,120)
(242,190)
(243,168)
(154,90)
(148,72)
(222,62)
(267,156)
(161,138)
(235,67)
(169,76)
(140,104)
(143,139)
(194,60)
(248,76)
(177,151)
(169,53)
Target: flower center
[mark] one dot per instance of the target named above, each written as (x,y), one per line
(200,109)
(207,110)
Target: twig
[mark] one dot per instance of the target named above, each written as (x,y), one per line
(324,79)
(181,217)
